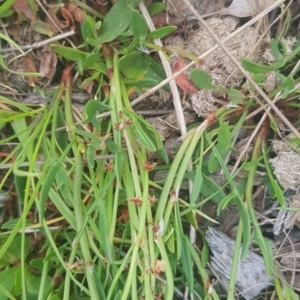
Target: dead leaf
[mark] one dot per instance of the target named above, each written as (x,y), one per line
(182,81)
(67,16)
(48,62)
(31,68)
(76,12)
(15,32)
(79,15)
(24,9)
(60,24)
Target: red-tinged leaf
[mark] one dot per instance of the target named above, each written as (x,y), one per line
(67,16)
(23,8)
(182,81)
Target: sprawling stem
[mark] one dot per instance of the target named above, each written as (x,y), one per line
(77,201)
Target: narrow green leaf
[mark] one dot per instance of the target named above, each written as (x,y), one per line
(104,229)
(6,5)
(275,49)
(92,42)
(3,65)
(120,156)
(169,239)
(278,192)
(9,225)
(163,154)
(86,30)
(9,40)
(47,184)
(63,186)
(186,262)
(211,190)
(255,68)
(69,53)
(20,184)
(266,250)
(146,134)
(197,184)
(8,13)
(223,147)
(161,32)
(191,218)
(141,83)
(155,8)
(225,202)
(90,155)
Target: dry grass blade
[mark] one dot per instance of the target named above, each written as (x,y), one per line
(169,73)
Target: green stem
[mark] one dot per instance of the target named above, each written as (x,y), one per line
(67,282)
(116,278)
(203,274)
(169,293)
(258,237)
(77,201)
(235,261)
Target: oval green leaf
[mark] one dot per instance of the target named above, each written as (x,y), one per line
(133,65)
(116,22)
(201,79)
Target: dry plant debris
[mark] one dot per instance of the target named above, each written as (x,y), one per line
(251,274)
(218,65)
(287,163)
